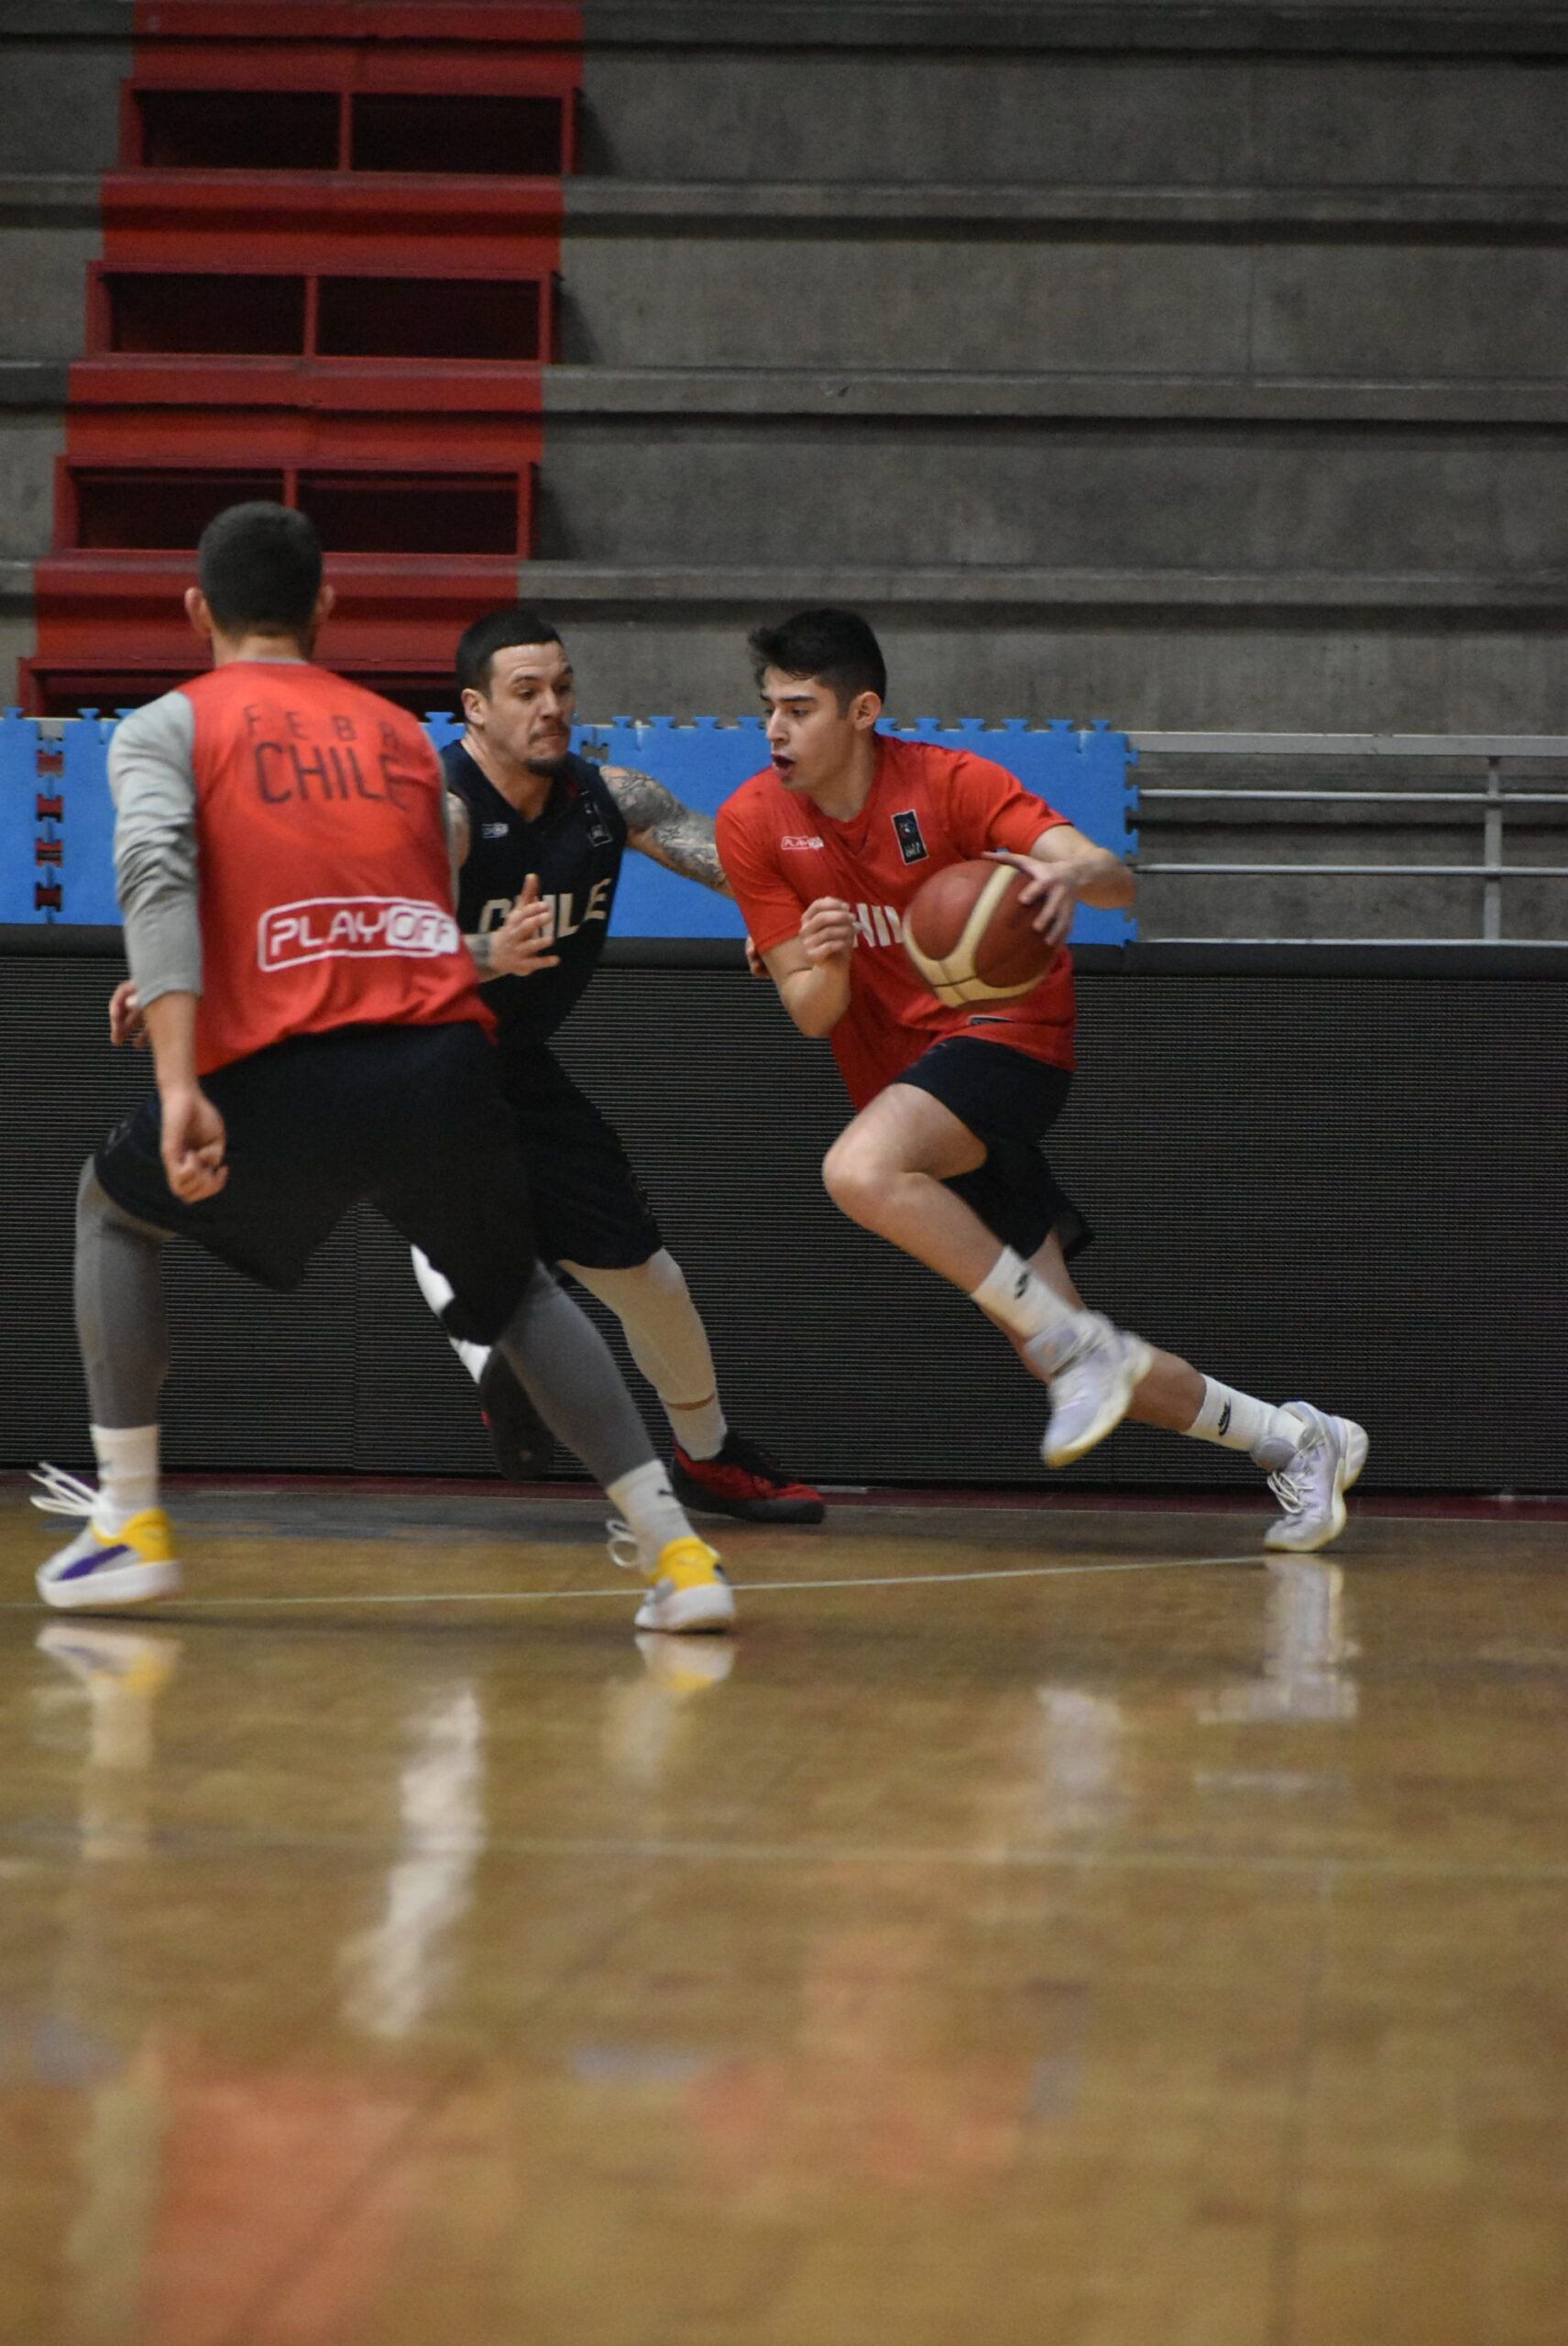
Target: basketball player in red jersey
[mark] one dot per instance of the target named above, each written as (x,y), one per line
(825,850)
(318,1038)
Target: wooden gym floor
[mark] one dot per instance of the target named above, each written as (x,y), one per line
(1042,1924)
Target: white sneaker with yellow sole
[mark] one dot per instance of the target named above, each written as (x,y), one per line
(686,1587)
(108,1565)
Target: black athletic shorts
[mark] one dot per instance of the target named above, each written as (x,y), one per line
(1010,1102)
(409,1118)
(588,1205)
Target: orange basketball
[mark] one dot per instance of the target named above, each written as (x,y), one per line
(970,938)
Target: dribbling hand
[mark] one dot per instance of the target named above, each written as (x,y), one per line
(192,1144)
(1050,890)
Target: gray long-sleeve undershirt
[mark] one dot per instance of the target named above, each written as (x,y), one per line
(152,782)
(157,867)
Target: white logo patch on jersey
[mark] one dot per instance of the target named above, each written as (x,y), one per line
(337,928)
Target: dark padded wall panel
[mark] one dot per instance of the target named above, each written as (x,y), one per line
(1349,1188)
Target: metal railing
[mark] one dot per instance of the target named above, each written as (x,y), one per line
(1491,804)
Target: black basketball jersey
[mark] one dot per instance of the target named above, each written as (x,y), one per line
(575,846)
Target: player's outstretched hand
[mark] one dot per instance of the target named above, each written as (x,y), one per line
(193,1144)
(127,1024)
(828,930)
(1050,890)
(522,942)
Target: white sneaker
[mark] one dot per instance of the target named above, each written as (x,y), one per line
(104,1566)
(1090,1389)
(1311,1484)
(686,1587)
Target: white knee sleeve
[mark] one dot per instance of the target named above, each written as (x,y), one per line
(666,1338)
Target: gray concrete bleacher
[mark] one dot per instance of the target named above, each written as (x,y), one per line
(1192,366)
(1177,358)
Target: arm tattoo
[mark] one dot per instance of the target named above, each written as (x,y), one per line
(658,824)
(457,826)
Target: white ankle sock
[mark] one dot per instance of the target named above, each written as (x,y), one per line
(1011,1292)
(650,1508)
(702,1432)
(1235,1421)
(127,1472)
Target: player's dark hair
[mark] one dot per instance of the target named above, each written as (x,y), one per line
(497,632)
(833,648)
(260,566)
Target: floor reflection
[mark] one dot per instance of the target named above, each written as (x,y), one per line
(643,1715)
(121,1673)
(390,1971)
(1307,1653)
(879,2088)
(105,1688)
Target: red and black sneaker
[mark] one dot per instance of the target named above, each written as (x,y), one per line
(743,1481)
(521,1441)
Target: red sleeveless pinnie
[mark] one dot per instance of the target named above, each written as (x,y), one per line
(325,890)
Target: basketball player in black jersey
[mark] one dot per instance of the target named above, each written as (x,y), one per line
(539,835)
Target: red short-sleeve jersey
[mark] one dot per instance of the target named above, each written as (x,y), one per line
(927,807)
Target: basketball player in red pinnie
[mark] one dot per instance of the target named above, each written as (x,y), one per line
(283,863)
(826,849)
